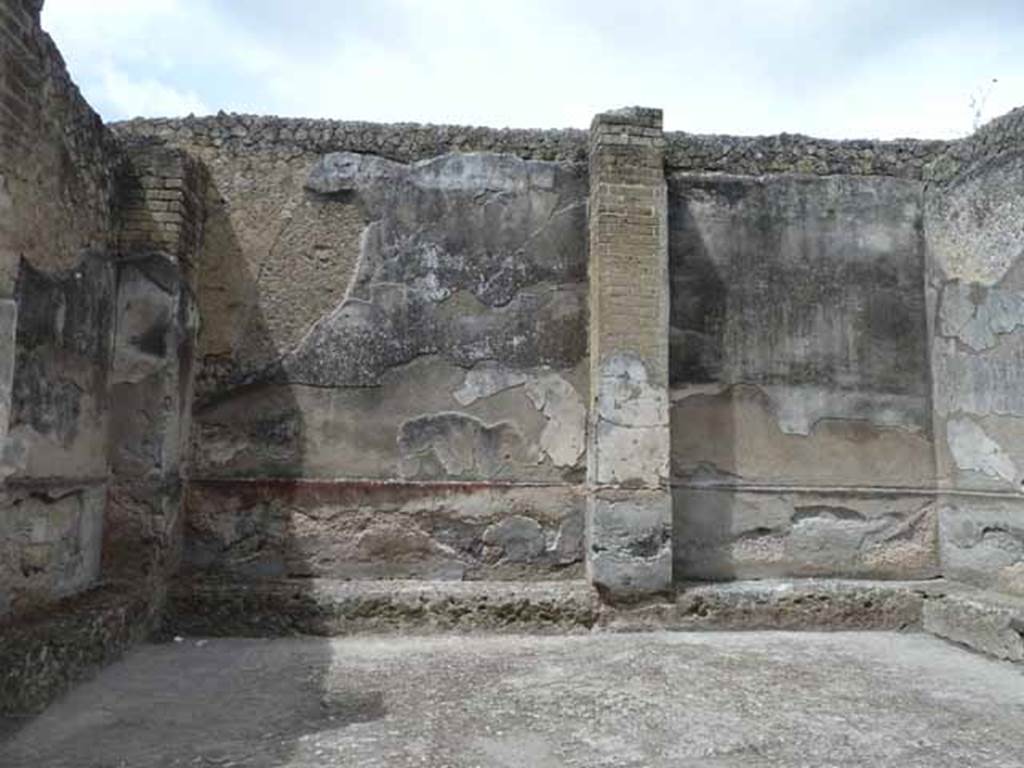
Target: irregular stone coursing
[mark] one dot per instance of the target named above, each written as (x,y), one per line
(50,650)
(982,541)
(59,165)
(749,155)
(362,530)
(730,533)
(404,142)
(321,607)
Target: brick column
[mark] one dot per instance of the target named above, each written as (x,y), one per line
(629,512)
(161,218)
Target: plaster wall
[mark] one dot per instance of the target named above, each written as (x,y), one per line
(394,353)
(801,414)
(975,289)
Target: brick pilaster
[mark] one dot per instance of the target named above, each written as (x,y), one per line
(629,520)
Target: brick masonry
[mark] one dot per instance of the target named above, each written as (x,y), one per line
(629,519)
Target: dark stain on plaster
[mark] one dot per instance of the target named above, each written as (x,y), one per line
(797,281)
(63,345)
(472,257)
(455,444)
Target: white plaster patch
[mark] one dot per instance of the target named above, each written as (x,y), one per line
(799,409)
(564,435)
(625,396)
(631,440)
(974,450)
(977,324)
(485,380)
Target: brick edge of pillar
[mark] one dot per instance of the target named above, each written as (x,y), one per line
(629,507)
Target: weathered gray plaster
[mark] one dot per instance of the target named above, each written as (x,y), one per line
(49,543)
(737,432)
(991,383)
(411,425)
(975,234)
(629,541)
(976,315)
(59,410)
(974,450)
(563,438)
(631,424)
(564,435)
(798,332)
(725,533)
(467,256)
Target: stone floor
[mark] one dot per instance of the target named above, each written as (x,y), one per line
(659,699)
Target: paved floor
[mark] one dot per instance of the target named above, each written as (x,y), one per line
(717,699)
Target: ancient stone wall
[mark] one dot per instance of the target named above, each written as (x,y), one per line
(160,215)
(96,317)
(801,369)
(801,420)
(57,175)
(975,289)
(337,349)
(392,371)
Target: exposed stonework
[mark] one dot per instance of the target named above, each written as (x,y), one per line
(748,155)
(974,223)
(727,533)
(59,168)
(982,540)
(363,530)
(317,607)
(58,164)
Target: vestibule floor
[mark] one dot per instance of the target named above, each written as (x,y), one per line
(706,700)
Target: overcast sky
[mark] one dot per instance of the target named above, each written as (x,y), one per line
(837,68)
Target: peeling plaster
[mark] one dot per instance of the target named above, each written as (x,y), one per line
(799,410)
(460,445)
(986,384)
(974,450)
(564,436)
(631,427)
(626,398)
(563,439)
(486,380)
(976,315)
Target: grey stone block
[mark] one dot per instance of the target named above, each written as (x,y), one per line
(629,541)
(990,623)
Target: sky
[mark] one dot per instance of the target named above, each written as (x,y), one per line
(830,68)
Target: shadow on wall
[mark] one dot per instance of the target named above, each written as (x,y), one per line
(257,537)
(696,342)
(801,429)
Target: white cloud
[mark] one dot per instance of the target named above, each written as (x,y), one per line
(128,96)
(844,68)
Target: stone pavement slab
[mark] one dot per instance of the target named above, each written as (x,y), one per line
(709,700)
